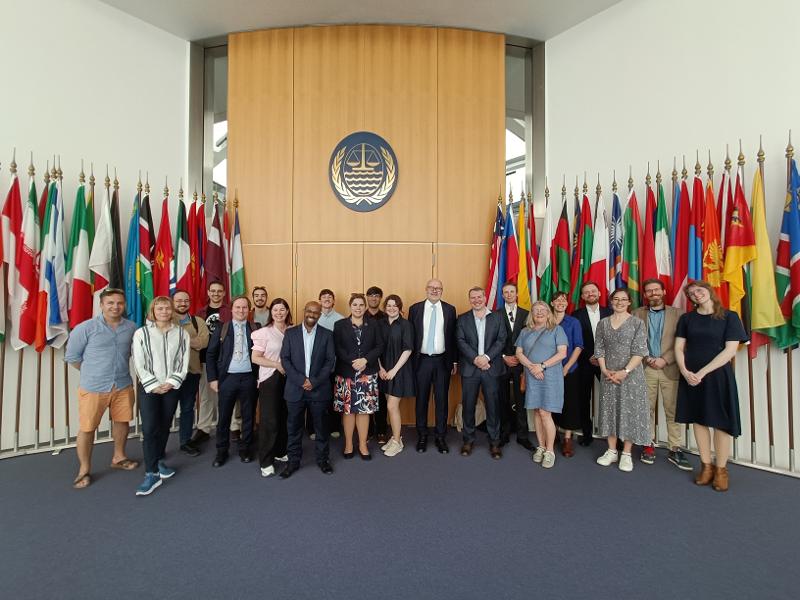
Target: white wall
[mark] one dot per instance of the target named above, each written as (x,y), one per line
(647,80)
(85,81)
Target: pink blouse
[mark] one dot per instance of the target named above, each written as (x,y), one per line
(269,341)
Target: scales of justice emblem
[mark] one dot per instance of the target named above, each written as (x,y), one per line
(363,171)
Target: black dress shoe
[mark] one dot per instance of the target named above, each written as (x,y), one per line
(289,471)
(525,444)
(348,455)
(190,449)
(586,440)
(366,456)
(441,446)
(466,449)
(326,467)
(199,437)
(503,441)
(422,444)
(220,459)
(244,456)
(495,452)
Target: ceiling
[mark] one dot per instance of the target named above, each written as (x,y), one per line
(201,20)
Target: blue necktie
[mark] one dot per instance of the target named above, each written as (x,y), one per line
(432,330)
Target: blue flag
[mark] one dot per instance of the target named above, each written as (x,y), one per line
(615,245)
(133,296)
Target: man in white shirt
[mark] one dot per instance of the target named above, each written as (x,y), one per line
(512,400)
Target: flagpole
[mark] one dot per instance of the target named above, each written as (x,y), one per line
(17,408)
(13,169)
(53,351)
(770,431)
(789,378)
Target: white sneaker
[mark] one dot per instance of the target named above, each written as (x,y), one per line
(387,445)
(626,462)
(312,437)
(394,448)
(284,458)
(538,455)
(549,460)
(609,457)
(335,435)
(268,471)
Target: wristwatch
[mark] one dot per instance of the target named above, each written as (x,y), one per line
(544,367)
(627,370)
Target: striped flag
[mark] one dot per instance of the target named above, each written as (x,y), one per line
(78,275)
(648,265)
(100,260)
(51,318)
(741,248)
(583,258)
(11,232)
(712,258)
(632,223)
(215,259)
(509,255)
(544,268)
(662,247)
(183,259)
(560,252)
(133,287)
(787,264)
(237,259)
(598,269)
(680,254)
(523,279)
(533,254)
(615,246)
(147,242)
(494,258)
(695,258)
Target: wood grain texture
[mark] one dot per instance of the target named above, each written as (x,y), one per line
(339,267)
(461,267)
(401,269)
(273,267)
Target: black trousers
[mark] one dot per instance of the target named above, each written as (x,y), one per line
(512,404)
(272,427)
(297,411)
(157,411)
(188,398)
(432,371)
(241,387)
(469,399)
(587,374)
(333,419)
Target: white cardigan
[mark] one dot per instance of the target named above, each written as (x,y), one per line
(160,356)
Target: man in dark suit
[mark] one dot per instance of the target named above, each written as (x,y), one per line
(512,401)
(435,360)
(481,338)
(588,316)
(308,357)
(233,376)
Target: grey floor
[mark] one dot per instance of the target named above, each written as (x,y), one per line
(415,526)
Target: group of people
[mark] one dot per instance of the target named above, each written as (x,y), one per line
(253,373)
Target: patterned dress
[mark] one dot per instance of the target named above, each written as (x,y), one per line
(356,395)
(624,408)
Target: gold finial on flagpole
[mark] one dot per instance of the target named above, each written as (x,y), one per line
(139,184)
(564,189)
(203,198)
(614,181)
(236,198)
(53,172)
(31,169)
(647,179)
(510,197)
(585,185)
(180,190)
(546,192)
(166,187)
(697,168)
(630,178)
(91,177)
(82,175)
(60,172)
(577,189)
(760,154)
(740,158)
(790,148)
(598,190)
(658,172)
(108,179)
(710,168)
(147,183)
(13,166)
(47,174)
(194,195)
(728,162)
(116,181)
(684,172)
(674,169)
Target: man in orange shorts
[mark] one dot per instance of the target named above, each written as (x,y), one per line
(100,349)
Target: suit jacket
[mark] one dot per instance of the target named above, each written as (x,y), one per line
(415,316)
(671,316)
(512,333)
(582,314)
(347,350)
(218,355)
(494,340)
(293,359)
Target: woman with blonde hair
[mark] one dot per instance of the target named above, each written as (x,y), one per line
(541,347)
(161,358)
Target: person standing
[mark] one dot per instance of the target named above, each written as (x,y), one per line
(378,424)
(660,369)
(198,341)
(588,369)
(232,376)
(161,358)
(569,419)
(515,415)
(327,320)
(705,342)
(481,338)
(435,360)
(260,312)
(100,349)
(396,378)
(308,357)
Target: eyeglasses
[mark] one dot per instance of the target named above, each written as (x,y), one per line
(435,289)
(621,300)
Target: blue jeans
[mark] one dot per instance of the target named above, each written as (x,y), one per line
(188,398)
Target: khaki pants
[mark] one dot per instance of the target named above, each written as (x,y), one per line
(207,412)
(657,382)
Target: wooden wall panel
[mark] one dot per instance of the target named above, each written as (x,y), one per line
(260,118)
(270,265)
(461,266)
(471,133)
(339,267)
(401,269)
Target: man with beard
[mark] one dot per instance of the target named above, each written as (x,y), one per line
(260,312)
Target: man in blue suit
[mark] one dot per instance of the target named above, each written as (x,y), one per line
(308,357)
(481,338)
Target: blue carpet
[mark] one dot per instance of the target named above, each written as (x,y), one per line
(415,526)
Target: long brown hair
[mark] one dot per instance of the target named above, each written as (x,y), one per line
(718,311)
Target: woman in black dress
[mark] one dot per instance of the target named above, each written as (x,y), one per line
(705,342)
(396,378)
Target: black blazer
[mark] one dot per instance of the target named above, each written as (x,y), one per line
(588,338)
(347,350)
(512,333)
(219,355)
(493,343)
(416,314)
(293,360)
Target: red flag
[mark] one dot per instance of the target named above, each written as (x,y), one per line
(215,258)
(162,259)
(560,253)
(533,271)
(712,249)
(648,268)
(202,253)
(494,257)
(583,254)
(680,270)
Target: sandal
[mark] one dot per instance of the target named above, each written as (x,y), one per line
(126,464)
(82,482)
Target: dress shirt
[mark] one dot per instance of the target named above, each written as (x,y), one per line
(308,345)
(480,325)
(240,360)
(104,353)
(511,315)
(594,317)
(655,329)
(327,320)
(267,340)
(438,335)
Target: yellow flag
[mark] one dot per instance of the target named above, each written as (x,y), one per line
(524,299)
(766,312)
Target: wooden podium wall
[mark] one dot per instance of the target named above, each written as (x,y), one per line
(436,95)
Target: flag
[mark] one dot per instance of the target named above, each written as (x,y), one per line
(237,259)
(78,275)
(524,261)
(163,256)
(632,225)
(101,257)
(133,287)
(741,248)
(661,243)
(215,259)
(51,318)
(10,233)
(146,252)
(116,271)
(533,254)
(724,207)
(615,246)
(581,263)
(509,255)
(695,259)
(42,207)
(183,259)
(712,248)
(200,294)
(680,254)
(787,264)
(544,267)
(647,265)
(494,257)
(194,258)
(598,267)
(560,252)
(766,316)
(226,229)
(24,301)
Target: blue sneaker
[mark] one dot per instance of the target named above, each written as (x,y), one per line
(151,482)
(164,471)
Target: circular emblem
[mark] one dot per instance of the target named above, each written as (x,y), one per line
(363,171)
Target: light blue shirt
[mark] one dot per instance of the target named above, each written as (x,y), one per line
(480,325)
(240,359)
(655,329)
(328,320)
(104,353)
(308,345)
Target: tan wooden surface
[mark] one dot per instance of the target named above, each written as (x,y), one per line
(273,267)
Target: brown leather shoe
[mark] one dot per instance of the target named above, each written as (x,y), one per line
(720,483)
(466,449)
(495,452)
(566,447)
(706,475)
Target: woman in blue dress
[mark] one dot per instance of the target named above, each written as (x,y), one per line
(541,347)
